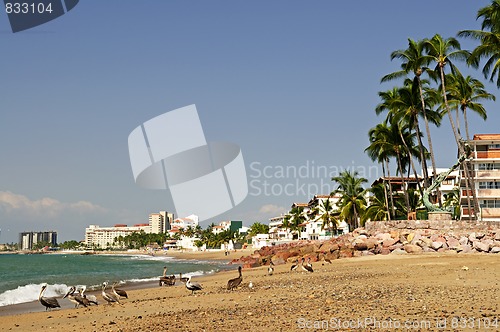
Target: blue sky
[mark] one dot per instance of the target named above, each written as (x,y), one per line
(293,83)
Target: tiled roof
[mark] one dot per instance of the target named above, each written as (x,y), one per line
(487,137)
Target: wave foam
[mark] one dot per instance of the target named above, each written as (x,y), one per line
(29,293)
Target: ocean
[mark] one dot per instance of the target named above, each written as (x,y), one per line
(21,276)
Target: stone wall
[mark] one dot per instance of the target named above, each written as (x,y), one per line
(431,226)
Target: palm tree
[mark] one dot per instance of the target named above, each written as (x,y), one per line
(294,218)
(465,93)
(380,150)
(489,36)
(376,210)
(443,51)
(352,203)
(325,211)
(415,61)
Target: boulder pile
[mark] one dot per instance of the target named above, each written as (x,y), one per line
(362,242)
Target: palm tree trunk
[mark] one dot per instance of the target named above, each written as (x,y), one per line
(429,140)
(464,109)
(412,164)
(385,193)
(469,180)
(390,188)
(403,183)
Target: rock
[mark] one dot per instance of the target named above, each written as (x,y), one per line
(427,249)
(426,241)
(436,245)
(398,252)
(345,253)
(416,238)
(389,242)
(495,250)
(452,242)
(479,236)
(385,251)
(480,246)
(412,249)
(497,236)
(463,240)
(371,243)
(395,234)
(464,248)
(383,236)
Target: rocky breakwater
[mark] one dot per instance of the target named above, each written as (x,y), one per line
(363,243)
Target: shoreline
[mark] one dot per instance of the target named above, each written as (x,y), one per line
(207,256)
(400,287)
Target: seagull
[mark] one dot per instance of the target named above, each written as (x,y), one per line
(233,283)
(119,293)
(77,299)
(107,296)
(270,269)
(193,286)
(47,302)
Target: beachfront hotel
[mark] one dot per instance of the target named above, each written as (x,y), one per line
(485,163)
(104,237)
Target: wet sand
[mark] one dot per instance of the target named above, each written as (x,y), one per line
(376,293)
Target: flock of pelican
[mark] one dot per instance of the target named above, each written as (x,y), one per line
(79,298)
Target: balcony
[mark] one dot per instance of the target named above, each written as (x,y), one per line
(488,193)
(490,212)
(488,175)
(494,154)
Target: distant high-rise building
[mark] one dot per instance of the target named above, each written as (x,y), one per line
(27,240)
(160,222)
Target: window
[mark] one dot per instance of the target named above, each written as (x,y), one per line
(489,167)
(494,146)
(489,185)
(490,203)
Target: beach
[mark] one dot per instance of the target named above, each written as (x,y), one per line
(378,293)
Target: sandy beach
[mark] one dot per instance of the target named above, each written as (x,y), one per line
(367,293)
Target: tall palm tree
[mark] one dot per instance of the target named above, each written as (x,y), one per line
(489,36)
(443,51)
(415,61)
(466,93)
(352,203)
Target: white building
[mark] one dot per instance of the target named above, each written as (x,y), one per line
(313,227)
(104,237)
(277,231)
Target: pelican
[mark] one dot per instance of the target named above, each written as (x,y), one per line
(270,269)
(193,286)
(326,259)
(306,268)
(295,266)
(91,298)
(47,302)
(107,296)
(119,293)
(167,280)
(233,283)
(77,299)
(182,279)
(309,262)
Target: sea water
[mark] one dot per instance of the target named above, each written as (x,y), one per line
(21,276)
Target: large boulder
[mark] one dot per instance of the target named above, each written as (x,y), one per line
(413,249)
(480,246)
(495,250)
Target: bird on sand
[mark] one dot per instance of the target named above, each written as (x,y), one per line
(47,302)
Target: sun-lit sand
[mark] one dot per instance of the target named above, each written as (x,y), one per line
(423,290)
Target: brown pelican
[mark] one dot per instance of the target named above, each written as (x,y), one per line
(295,266)
(181,278)
(47,302)
(193,286)
(270,269)
(110,298)
(167,280)
(119,293)
(92,299)
(233,283)
(326,259)
(306,268)
(77,298)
